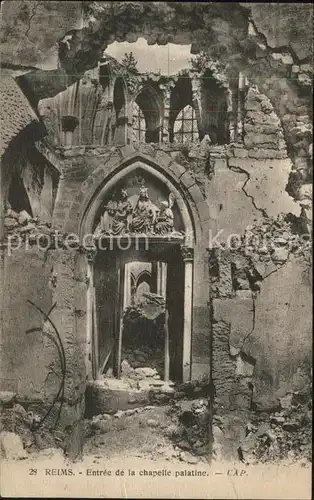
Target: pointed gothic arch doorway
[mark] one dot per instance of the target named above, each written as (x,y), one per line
(141,223)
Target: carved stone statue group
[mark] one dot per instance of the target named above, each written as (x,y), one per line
(123,217)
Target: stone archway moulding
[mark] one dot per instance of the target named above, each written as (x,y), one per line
(188,197)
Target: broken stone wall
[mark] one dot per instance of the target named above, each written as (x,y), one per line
(39,182)
(260,281)
(262,333)
(32,354)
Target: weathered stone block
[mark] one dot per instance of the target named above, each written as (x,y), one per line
(240,152)
(252,105)
(220,163)
(102,398)
(196,194)
(187,180)
(280,255)
(239,314)
(232,433)
(177,169)
(267,154)
(271,140)
(163,158)
(7,397)
(243,367)
(203,211)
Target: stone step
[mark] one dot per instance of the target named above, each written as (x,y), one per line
(112,395)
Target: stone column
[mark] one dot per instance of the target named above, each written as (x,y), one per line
(91,362)
(242,86)
(127,287)
(121,275)
(197,103)
(165,138)
(155,277)
(162,278)
(187,255)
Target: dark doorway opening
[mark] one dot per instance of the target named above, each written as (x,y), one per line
(139,310)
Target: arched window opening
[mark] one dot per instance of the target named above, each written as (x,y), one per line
(119,118)
(185,126)
(143,285)
(183,120)
(147,116)
(139,124)
(103,113)
(215,110)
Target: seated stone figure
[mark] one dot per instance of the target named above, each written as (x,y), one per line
(144,214)
(116,219)
(164,220)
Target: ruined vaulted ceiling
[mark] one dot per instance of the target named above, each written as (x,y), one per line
(31,30)
(61,40)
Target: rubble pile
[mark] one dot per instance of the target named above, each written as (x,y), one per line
(19,431)
(143,336)
(192,433)
(177,431)
(30,229)
(105,422)
(273,239)
(145,356)
(264,248)
(284,434)
(142,377)
(193,389)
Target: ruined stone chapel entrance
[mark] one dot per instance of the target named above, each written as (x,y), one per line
(141,283)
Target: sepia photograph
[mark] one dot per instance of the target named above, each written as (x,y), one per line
(156,250)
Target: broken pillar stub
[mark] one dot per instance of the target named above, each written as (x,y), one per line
(219,261)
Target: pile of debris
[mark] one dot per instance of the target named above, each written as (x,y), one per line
(105,422)
(145,356)
(143,336)
(140,379)
(273,239)
(192,434)
(151,307)
(20,433)
(23,223)
(284,434)
(172,432)
(33,231)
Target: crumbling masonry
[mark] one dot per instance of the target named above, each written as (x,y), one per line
(68,131)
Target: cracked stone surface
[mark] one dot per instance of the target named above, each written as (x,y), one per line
(278,25)
(266,185)
(237,312)
(282,302)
